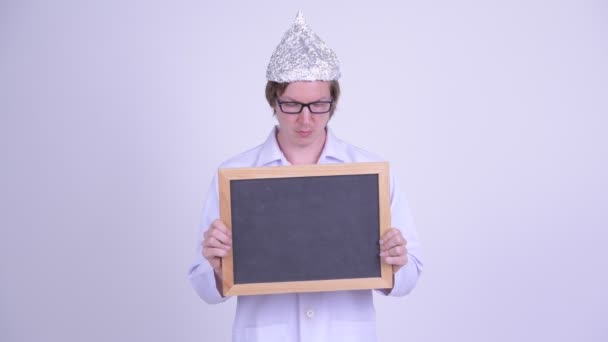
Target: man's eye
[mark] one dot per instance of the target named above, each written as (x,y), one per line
(291,104)
(321,106)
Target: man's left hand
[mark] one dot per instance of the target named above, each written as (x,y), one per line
(393,249)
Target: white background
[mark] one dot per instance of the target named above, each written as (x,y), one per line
(115,114)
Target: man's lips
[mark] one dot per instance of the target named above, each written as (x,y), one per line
(304,133)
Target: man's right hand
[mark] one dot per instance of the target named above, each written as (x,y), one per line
(216,245)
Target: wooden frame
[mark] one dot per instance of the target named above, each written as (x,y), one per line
(225,176)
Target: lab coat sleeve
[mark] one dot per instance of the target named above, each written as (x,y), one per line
(406,278)
(201,273)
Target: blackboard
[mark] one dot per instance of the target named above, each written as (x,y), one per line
(305,228)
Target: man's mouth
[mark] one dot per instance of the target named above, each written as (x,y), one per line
(304,133)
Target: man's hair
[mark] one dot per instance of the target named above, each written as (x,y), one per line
(276,89)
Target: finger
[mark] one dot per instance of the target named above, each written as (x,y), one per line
(212,242)
(397,261)
(219,231)
(210,252)
(395,251)
(214,239)
(219,224)
(395,240)
(388,235)
(220,236)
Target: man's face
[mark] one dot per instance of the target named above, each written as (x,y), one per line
(305,128)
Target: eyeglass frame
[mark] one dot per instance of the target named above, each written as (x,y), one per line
(307,105)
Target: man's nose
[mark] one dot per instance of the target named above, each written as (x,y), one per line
(305,116)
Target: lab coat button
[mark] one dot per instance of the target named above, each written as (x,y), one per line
(310,313)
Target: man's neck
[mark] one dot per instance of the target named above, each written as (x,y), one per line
(303,155)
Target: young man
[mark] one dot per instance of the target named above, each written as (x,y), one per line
(303,91)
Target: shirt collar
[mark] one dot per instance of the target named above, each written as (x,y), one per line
(333,149)
(271,152)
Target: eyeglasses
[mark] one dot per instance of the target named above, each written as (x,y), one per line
(319,107)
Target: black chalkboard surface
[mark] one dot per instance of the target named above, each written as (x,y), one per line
(305,228)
